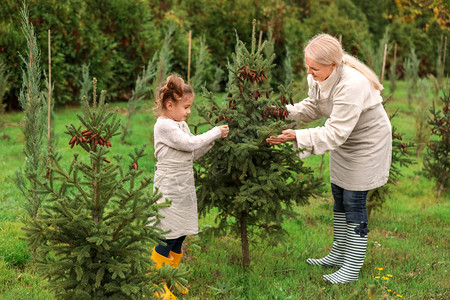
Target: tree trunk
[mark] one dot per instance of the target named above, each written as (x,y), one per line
(244,241)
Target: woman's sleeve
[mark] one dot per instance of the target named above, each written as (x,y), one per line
(305,111)
(347,107)
(173,136)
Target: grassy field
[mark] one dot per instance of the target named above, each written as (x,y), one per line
(408,246)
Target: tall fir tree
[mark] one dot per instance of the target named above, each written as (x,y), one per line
(436,163)
(202,64)
(94,234)
(34,124)
(4,75)
(141,90)
(165,59)
(252,185)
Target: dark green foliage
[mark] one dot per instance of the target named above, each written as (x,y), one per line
(115,37)
(436,162)
(118,37)
(95,232)
(339,17)
(252,185)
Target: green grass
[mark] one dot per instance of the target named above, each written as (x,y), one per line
(409,236)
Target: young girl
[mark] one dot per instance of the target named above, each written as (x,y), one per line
(175,150)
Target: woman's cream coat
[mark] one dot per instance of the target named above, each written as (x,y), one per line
(357,132)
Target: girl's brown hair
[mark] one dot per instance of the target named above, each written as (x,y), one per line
(173,89)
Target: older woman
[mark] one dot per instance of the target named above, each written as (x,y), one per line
(357,134)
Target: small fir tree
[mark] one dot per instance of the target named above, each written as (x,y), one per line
(393,76)
(436,163)
(287,67)
(96,230)
(85,82)
(142,89)
(421,116)
(411,66)
(218,77)
(252,185)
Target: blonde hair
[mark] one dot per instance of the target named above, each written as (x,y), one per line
(326,49)
(172,89)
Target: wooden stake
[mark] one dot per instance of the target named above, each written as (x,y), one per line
(384,63)
(443,58)
(260,39)
(189,57)
(49,83)
(395,51)
(340,39)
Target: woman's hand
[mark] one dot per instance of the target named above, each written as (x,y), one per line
(285,136)
(224,130)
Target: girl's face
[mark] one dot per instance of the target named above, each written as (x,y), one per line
(180,110)
(318,71)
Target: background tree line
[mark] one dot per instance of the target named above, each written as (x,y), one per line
(117,38)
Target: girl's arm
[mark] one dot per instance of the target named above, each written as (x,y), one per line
(171,134)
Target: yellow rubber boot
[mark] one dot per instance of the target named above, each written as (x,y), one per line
(160,261)
(175,262)
(176,258)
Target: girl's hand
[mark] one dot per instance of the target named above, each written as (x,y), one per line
(285,136)
(224,129)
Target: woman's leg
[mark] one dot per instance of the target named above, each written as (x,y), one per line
(354,203)
(336,257)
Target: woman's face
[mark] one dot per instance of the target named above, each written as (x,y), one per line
(318,71)
(180,110)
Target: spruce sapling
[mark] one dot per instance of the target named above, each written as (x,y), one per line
(34,124)
(97,228)
(436,163)
(252,185)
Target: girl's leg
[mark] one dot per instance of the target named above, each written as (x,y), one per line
(177,254)
(165,250)
(176,248)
